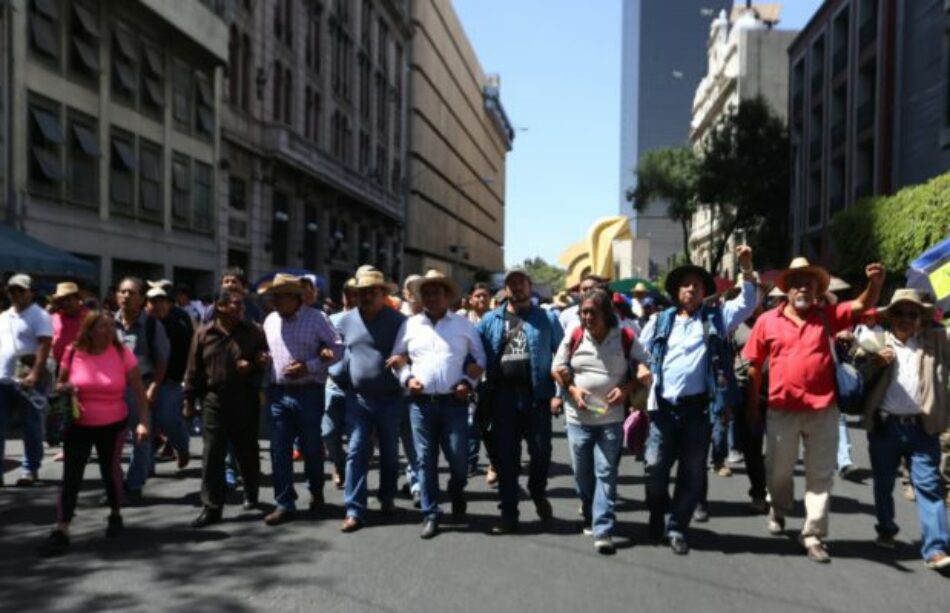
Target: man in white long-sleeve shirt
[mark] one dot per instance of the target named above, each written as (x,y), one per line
(438,344)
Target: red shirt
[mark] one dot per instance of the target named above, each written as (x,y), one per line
(65,331)
(801,368)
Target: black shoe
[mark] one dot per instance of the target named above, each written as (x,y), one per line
(459,508)
(505,526)
(114,526)
(250,503)
(387,508)
(543,508)
(430,528)
(317,502)
(132,498)
(55,544)
(701,514)
(208,516)
(657,531)
(679,545)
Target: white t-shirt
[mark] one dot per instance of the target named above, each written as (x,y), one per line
(903,394)
(20,335)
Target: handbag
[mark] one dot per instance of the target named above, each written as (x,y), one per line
(636,427)
(848,382)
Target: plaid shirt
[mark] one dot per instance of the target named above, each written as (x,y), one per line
(300,337)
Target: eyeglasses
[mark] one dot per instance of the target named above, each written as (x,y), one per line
(909,314)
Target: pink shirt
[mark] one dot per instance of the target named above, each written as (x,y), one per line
(100,382)
(65,331)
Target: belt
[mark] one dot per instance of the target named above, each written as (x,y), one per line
(904,420)
(436,397)
(690,401)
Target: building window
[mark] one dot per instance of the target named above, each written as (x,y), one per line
(124,64)
(308,110)
(46,140)
(181,191)
(335,140)
(278,91)
(182,95)
(382,165)
(237,194)
(153,79)
(203,198)
(122,172)
(84,43)
(347,136)
(83,160)
(336,56)
(382,46)
(279,225)
(44,28)
(246,78)
(382,104)
(204,116)
(396,182)
(288,97)
(365,70)
(314,23)
(317,117)
(363,163)
(366,19)
(234,66)
(150,180)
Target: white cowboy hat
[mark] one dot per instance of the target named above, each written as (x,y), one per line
(434,276)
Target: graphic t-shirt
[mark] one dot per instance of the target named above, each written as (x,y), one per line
(515,360)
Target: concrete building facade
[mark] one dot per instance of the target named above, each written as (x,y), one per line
(868,100)
(747,58)
(110,132)
(314,136)
(664,58)
(459,138)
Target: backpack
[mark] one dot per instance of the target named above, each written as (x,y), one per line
(577,335)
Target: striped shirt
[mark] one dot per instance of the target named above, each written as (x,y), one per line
(300,337)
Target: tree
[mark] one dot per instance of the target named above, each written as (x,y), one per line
(668,174)
(744,178)
(542,272)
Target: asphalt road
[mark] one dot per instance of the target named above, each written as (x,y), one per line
(160,563)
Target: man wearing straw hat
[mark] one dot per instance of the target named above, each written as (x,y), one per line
(438,343)
(796,338)
(302,345)
(67,316)
(905,411)
(373,404)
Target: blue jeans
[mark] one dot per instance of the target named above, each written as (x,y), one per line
(295,412)
(168,417)
(844,444)
(140,463)
(439,423)
(364,415)
(720,440)
(678,434)
(594,454)
(474,439)
(517,416)
(33,420)
(408,446)
(332,426)
(887,445)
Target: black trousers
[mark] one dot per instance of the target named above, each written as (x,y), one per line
(77,445)
(230,419)
(752,440)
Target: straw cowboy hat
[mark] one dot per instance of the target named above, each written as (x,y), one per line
(434,276)
(802,266)
(164,284)
(283,284)
(640,288)
(562,300)
(910,296)
(367,277)
(64,289)
(676,276)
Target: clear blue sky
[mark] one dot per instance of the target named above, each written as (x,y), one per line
(559,62)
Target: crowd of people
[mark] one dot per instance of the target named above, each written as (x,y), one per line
(762,369)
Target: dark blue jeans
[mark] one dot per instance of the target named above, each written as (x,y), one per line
(364,416)
(333,425)
(439,423)
(890,442)
(678,434)
(518,417)
(33,419)
(295,412)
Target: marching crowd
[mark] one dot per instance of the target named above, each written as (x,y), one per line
(432,370)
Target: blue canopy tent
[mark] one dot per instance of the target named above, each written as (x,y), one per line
(22,253)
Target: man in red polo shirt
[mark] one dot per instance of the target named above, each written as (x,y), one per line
(795,338)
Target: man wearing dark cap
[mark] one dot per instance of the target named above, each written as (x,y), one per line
(692,370)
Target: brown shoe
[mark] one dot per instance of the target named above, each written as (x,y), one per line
(491,476)
(350,524)
(279,516)
(818,553)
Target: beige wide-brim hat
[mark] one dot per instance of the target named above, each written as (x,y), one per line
(640,288)
(367,277)
(562,300)
(434,276)
(67,288)
(799,266)
(283,284)
(910,296)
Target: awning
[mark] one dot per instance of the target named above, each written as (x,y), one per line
(22,253)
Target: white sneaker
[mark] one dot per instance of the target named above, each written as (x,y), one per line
(587,531)
(604,545)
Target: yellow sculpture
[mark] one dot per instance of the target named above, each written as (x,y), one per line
(595,255)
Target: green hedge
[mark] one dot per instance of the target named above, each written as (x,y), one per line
(892,229)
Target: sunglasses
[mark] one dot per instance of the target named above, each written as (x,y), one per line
(906,314)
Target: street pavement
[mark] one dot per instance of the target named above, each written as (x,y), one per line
(162,564)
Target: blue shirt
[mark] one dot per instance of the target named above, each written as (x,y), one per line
(368,345)
(684,369)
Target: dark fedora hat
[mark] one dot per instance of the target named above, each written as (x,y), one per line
(675,279)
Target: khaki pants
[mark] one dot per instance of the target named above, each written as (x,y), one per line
(818,431)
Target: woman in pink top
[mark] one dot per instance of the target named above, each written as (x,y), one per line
(96,370)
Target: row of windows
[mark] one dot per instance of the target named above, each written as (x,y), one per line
(137,71)
(135,169)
